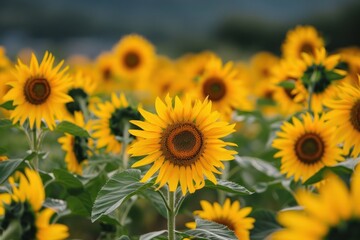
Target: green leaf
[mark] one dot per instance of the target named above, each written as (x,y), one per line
(80,204)
(117,190)
(264,225)
(333,76)
(73,129)
(5,123)
(8,167)
(156,200)
(152,235)
(287,84)
(338,170)
(123,237)
(2,150)
(8,105)
(265,102)
(57,204)
(228,186)
(211,231)
(258,164)
(67,179)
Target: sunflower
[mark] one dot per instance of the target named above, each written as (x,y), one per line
(287,100)
(324,88)
(221,85)
(302,39)
(107,73)
(39,91)
(76,148)
(135,56)
(182,142)
(350,57)
(3,158)
(109,127)
(306,146)
(230,215)
(24,204)
(332,214)
(345,113)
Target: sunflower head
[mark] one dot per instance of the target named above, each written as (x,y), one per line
(345,114)
(77,148)
(229,214)
(221,85)
(302,39)
(321,72)
(39,91)
(324,216)
(24,206)
(182,142)
(305,146)
(135,56)
(113,120)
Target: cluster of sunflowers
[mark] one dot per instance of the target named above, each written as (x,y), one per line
(182,121)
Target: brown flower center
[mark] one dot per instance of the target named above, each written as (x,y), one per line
(309,148)
(37,90)
(131,59)
(107,74)
(307,48)
(214,88)
(226,222)
(182,143)
(355,116)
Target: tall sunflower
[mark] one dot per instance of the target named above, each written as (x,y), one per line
(230,215)
(306,146)
(182,142)
(350,57)
(39,91)
(301,39)
(345,113)
(319,65)
(82,87)
(332,214)
(109,128)
(135,56)
(76,148)
(286,98)
(107,73)
(24,204)
(221,85)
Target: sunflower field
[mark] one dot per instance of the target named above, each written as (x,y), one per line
(134,144)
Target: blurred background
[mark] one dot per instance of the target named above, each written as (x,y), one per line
(234,29)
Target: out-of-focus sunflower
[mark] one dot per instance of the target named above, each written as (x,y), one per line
(351,58)
(192,66)
(285,96)
(3,158)
(5,77)
(301,39)
(113,116)
(182,142)
(332,214)
(306,146)
(82,87)
(318,66)
(166,79)
(345,113)
(77,148)
(39,92)
(135,57)
(230,215)
(221,85)
(107,73)
(24,204)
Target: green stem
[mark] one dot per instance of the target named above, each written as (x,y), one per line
(34,148)
(84,109)
(127,210)
(224,176)
(171,215)
(126,137)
